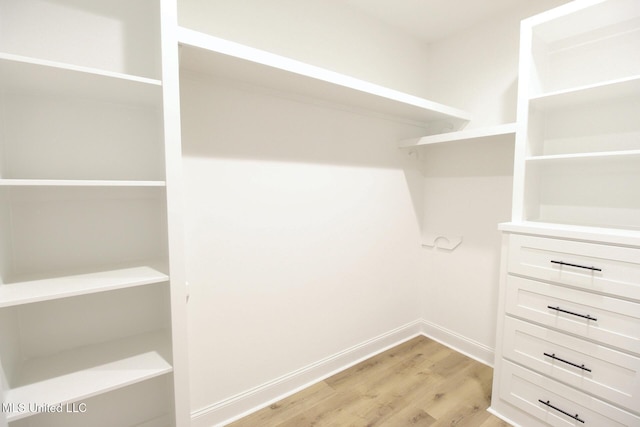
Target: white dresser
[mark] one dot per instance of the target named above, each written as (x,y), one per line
(568,333)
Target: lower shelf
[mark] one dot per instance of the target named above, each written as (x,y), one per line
(78,183)
(618,236)
(144,404)
(81,373)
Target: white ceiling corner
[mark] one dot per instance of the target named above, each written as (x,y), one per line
(431,20)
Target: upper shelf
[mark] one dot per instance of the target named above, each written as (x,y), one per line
(206,54)
(506,131)
(608,90)
(78,183)
(20,73)
(580,22)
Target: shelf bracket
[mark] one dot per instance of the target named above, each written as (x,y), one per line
(438,241)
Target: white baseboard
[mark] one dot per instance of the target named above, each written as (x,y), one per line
(497,414)
(240,405)
(459,343)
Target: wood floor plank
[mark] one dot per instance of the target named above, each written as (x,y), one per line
(334,411)
(289,407)
(494,422)
(411,416)
(417,383)
(464,387)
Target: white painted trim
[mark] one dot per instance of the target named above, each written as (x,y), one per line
(240,405)
(473,349)
(503,418)
(245,403)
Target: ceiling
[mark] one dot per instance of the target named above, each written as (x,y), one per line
(431,20)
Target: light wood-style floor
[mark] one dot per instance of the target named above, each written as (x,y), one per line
(418,383)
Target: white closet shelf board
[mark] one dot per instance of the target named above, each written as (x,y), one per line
(87,371)
(613,89)
(621,236)
(564,23)
(208,55)
(29,75)
(78,183)
(505,132)
(585,157)
(80,284)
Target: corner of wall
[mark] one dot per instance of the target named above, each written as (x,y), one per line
(464,345)
(240,405)
(477,69)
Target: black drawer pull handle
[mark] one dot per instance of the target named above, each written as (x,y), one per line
(553,356)
(585,316)
(576,265)
(575,417)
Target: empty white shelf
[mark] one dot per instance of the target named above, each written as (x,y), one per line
(23,74)
(67,286)
(78,183)
(505,131)
(613,89)
(564,24)
(595,156)
(574,231)
(205,54)
(78,374)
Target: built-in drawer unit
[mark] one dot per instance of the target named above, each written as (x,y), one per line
(588,366)
(613,321)
(594,267)
(568,324)
(557,404)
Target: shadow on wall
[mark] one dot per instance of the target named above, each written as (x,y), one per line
(299,233)
(110,28)
(227,119)
(468,159)
(465,167)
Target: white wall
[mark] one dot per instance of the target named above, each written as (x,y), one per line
(303,224)
(467,190)
(477,69)
(468,187)
(301,235)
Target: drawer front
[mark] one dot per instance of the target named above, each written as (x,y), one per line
(601,268)
(590,367)
(557,404)
(612,321)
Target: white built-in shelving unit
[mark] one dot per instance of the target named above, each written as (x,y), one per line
(567,347)
(206,55)
(87,302)
(577,161)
